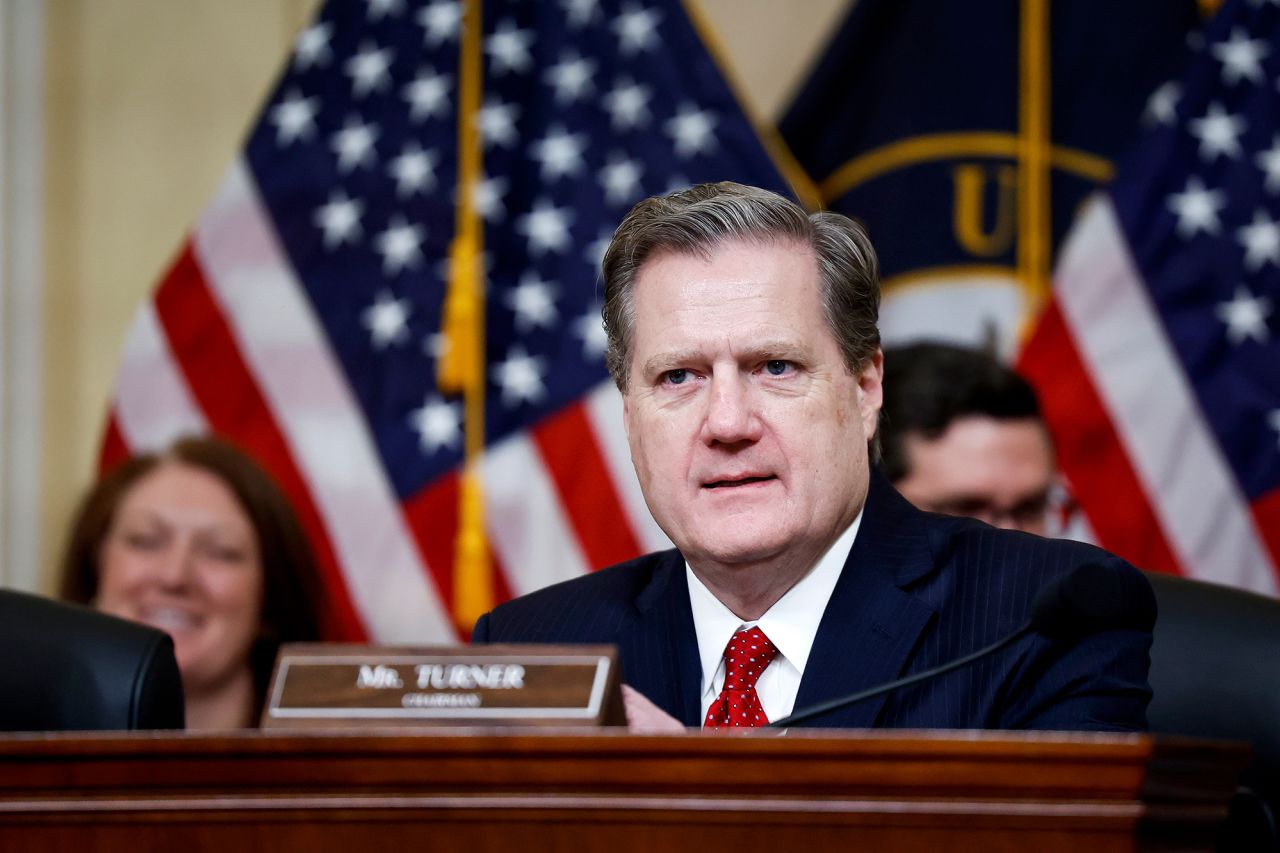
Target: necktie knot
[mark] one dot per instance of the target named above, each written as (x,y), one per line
(745,658)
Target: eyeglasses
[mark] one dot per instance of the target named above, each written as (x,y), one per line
(1049,511)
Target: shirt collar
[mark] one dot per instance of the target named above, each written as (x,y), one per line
(791,623)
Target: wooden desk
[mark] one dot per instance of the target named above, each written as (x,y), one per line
(477,790)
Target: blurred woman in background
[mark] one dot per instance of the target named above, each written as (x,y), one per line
(199,542)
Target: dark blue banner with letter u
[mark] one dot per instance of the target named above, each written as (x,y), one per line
(966,135)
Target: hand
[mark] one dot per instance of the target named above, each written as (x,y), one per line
(644,717)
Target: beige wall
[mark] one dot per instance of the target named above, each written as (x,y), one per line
(147,101)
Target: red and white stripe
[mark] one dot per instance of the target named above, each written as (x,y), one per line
(231,345)
(152,404)
(1144,463)
(310,403)
(528,526)
(604,409)
(563,499)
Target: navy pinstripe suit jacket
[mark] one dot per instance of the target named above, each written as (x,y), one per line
(917,590)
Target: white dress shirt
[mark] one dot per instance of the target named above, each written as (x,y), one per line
(791,624)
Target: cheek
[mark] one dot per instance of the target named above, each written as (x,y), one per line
(654,447)
(238,593)
(119,571)
(838,421)
(825,445)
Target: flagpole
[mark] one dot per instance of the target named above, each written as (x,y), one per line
(1034,168)
(461,367)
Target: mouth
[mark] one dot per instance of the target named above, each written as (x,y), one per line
(169,619)
(738,482)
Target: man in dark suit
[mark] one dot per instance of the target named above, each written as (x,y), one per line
(742,335)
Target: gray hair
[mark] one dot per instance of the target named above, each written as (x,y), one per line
(697,220)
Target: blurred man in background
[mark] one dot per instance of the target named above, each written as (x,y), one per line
(961,434)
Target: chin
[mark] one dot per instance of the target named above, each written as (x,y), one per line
(187,656)
(745,551)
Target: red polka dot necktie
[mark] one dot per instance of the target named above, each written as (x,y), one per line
(738,704)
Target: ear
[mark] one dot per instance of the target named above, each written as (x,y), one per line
(871,392)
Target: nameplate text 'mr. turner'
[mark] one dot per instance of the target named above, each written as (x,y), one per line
(327,684)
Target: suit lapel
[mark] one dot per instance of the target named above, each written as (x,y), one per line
(660,648)
(870,624)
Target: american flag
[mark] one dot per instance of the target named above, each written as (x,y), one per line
(302,318)
(1159,358)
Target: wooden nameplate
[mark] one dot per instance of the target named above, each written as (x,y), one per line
(337,684)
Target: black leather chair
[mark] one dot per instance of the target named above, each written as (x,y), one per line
(66,667)
(1215,672)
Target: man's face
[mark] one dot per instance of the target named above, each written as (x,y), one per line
(997,470)
(748,433)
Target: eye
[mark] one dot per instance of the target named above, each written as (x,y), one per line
(1031,510)
(676,377)
(224,552)
(142,540)
(972,507)
(778,367)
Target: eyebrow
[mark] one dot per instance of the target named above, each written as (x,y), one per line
(762,350)
(771,348)
(664,361)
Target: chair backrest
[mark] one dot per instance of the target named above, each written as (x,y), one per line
(70,668)
(1215,672)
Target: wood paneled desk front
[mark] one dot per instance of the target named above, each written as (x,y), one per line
(480,790)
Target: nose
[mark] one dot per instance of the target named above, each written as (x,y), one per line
(732,415)
(177,566)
